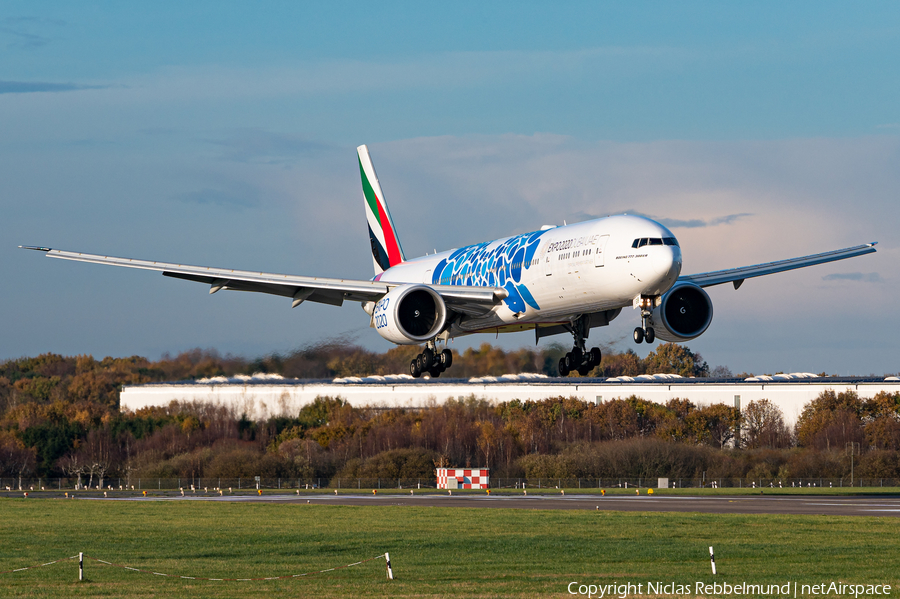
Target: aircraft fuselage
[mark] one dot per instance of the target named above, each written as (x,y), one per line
(557,274)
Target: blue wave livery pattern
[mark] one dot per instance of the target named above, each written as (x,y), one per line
(498,267)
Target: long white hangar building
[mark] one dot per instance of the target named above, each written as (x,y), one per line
(262,396)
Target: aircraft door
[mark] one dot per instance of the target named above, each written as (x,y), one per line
(600,250)
(546,264)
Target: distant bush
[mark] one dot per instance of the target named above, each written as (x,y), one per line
(644,458)
(394,463)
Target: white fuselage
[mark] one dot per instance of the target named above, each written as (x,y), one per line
(558,274)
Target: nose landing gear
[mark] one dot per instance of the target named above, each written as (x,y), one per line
(645,332)
(431,361)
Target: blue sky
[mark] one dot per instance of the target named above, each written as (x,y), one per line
(223,134)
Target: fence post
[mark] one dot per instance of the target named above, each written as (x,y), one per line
(80,566)
(390,573)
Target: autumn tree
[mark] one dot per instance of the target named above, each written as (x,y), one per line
(831,420)
(762,426)
(882,420)
(672,358)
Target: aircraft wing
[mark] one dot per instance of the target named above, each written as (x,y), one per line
(299,288)
(737,275)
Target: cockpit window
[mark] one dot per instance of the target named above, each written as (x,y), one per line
(642,241)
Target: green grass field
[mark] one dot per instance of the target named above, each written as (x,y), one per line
(435,552)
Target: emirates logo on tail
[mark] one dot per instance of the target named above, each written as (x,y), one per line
(386,250)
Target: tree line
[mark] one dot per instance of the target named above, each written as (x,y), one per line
(60,417)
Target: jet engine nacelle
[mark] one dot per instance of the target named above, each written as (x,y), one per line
(409,314)
(683,314)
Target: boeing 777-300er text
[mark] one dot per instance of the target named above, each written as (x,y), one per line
(566,279)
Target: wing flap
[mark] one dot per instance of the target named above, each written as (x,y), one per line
(737,275)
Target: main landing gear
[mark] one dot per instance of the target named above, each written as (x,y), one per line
(579,359)
(431,361)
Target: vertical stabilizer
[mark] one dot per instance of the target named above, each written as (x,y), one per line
(386,250)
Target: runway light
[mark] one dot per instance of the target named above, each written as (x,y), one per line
(603,492)
(259,491)
(649,491)
(374,492)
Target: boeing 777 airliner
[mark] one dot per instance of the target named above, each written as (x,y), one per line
(566,279)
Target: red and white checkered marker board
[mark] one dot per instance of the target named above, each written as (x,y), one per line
(466,478)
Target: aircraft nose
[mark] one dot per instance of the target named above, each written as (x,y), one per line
(666,264)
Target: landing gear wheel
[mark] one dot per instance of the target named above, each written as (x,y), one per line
(446,358)
(595,357)
(584,369)
(563,367)
(435,371)
(638,335)
(649,335)
(414,369)
(427,358)
(577,357)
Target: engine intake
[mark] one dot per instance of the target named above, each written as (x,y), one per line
(410,314)
(684,313)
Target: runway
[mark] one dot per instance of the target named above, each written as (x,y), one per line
(741,504)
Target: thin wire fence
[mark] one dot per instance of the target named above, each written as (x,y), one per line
(242,485)
(81,557)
